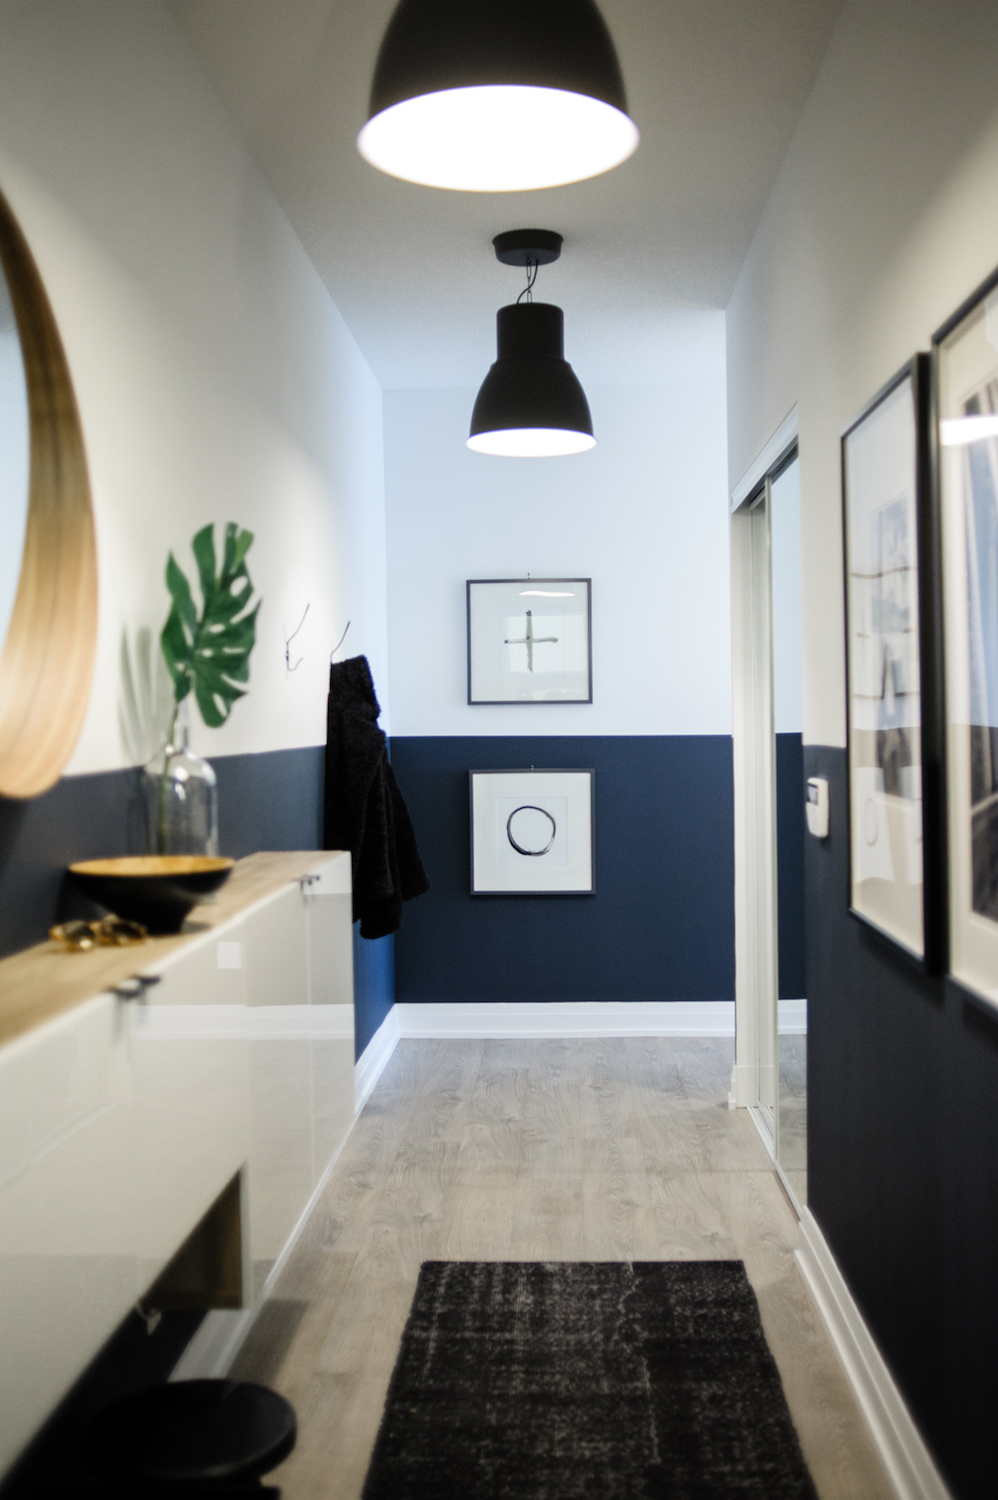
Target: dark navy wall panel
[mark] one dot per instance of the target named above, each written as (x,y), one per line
(373,984)
(902,1159)
(661,925)
(790,827)
(82,817)
(268,801)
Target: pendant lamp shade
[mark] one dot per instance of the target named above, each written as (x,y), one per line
(497,96)
(531,404)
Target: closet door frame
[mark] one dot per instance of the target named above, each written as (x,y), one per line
(754,764)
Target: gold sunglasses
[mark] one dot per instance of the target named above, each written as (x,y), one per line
(109,932)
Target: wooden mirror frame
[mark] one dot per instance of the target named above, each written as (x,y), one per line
(47,659)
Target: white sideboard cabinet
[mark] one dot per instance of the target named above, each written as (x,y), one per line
(122,1121)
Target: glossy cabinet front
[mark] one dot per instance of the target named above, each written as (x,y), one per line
(190,1110)
(280,1171)
(330,951)
(122,1121)
(299,988)
(67,1212)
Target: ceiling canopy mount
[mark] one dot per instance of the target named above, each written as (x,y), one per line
(528,247)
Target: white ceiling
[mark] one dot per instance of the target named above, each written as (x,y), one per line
(715,87)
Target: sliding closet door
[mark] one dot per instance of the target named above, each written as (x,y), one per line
(788,806)
(754,1077)
(769,1074)
(765,791)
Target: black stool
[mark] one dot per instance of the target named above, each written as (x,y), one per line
(191,1437)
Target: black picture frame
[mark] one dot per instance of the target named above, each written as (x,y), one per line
(965,366)
(930,953)
(536,773)
(532,583)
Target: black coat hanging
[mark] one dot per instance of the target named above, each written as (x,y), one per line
(365,812)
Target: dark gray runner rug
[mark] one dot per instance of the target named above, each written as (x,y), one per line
(558,1380)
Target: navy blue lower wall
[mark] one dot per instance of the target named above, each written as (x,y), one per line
(373,984)
(268,801)
(661,924)
(903,1157)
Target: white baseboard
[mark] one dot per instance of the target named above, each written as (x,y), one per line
(559,1018)
(791,1017)
(907,1460)
(371,1062)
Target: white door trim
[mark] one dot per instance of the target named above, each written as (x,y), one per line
(754,797)
(768,458)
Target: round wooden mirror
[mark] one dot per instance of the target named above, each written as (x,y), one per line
(48,581)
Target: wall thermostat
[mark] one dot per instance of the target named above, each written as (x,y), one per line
(817,806)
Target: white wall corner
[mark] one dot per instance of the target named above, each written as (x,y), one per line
(371,1063)
(910,1466)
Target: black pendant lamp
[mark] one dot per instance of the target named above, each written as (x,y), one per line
(497,96)
(531,404)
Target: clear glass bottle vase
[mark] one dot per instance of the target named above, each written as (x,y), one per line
(180,795)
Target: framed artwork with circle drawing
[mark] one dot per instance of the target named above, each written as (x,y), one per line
(530,640)
(532,833)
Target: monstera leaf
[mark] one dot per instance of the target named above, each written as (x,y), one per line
(210,652)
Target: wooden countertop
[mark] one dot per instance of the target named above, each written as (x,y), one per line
(43,981)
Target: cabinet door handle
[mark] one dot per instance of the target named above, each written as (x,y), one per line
(135,986)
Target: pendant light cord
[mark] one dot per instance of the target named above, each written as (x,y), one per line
(528,290)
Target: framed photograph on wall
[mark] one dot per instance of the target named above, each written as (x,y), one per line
(966,351)
(530,640)
(892,666)
(532,833)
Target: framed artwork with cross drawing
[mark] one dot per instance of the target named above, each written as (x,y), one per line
(530,640)
(532,833)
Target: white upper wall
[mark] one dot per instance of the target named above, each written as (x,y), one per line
(644,514)
(215,377)
(883,219)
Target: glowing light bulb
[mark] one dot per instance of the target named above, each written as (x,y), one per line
(531,442)
(498,138)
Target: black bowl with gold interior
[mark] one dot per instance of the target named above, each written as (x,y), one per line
(157,890)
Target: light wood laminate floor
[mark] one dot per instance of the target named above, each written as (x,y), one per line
(536,1150)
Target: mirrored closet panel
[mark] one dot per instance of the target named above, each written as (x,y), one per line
(788,801)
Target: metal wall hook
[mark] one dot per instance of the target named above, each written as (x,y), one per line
(289,639)
(339,643)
